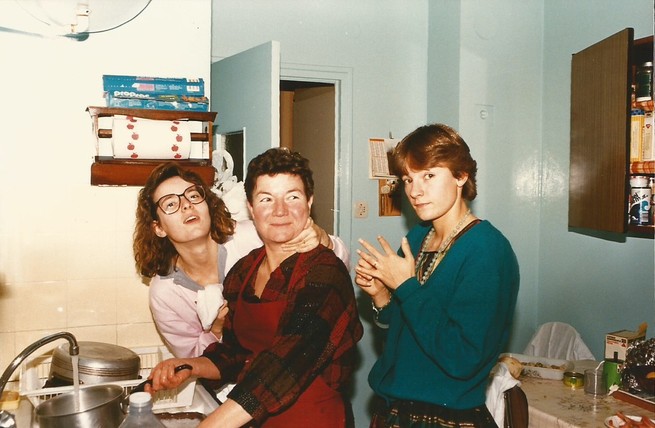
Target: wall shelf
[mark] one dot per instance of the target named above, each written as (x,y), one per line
(110,171)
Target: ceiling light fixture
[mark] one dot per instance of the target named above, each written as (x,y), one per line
(73,19)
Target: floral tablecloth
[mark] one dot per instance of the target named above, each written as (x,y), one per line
(553,404)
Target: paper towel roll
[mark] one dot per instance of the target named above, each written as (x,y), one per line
(138,138)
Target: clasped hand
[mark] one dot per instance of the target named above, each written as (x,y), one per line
(377,270)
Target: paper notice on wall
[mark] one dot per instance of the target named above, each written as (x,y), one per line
(379,153)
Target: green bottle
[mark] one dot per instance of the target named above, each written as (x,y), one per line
(612,371)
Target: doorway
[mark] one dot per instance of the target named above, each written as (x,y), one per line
(245,94)
(307,125)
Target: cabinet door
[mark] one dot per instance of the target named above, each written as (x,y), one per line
(600,132)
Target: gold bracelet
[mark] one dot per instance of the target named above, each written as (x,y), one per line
(378,310)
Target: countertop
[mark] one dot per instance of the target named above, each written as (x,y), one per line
(553,404)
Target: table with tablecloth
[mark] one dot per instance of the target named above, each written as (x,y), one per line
(553,404)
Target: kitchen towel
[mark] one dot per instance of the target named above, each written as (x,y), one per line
(501,381)
(227,186)
(209,301)
(138,138)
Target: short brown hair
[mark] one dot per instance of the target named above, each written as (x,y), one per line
(279,160)
(436,145)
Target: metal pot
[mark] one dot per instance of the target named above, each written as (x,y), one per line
(98,406)
(98,363)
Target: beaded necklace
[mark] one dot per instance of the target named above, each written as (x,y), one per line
(427,261)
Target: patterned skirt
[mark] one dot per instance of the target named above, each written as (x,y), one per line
(416,414)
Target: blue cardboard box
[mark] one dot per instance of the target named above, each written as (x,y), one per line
(145,87)
(176,103)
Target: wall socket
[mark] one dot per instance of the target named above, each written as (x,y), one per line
(361,209)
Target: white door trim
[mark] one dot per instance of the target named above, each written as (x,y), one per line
(342,78)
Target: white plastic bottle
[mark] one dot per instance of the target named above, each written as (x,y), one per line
(140,413)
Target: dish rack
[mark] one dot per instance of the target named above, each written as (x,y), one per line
(34,373)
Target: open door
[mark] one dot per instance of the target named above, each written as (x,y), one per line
(245,94)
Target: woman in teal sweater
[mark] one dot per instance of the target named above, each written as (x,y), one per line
(446,298)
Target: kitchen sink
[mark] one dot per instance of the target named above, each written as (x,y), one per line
(202,403)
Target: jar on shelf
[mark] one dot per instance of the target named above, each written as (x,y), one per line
(640,201)
(644,82)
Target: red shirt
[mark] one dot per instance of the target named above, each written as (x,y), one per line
(316,336)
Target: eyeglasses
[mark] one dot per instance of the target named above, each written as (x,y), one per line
(170,204)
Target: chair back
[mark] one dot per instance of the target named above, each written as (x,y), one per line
(558,340)
(516,408)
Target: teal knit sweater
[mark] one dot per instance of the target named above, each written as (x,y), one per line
(444,337)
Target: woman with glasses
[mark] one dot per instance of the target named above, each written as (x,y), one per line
(185,240)
(290,336)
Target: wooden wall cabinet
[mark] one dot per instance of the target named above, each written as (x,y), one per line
(108,171)
(601,80)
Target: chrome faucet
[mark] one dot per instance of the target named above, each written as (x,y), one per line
(74,349)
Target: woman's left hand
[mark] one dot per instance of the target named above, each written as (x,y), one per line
(217,325)
(308,239)
(387,267)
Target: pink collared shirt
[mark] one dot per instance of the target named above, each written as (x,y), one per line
(173,306)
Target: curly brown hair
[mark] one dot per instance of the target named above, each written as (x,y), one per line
(436,145)
(154,255)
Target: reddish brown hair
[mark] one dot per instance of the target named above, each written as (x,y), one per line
(437,145)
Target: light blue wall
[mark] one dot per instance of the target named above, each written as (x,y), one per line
(446,60)
(595,284)
(485,74)
(384,45)
(513,61)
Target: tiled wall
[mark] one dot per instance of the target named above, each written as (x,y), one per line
(97,295)
(66,259)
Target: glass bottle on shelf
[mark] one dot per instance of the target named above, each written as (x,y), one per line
(644,80)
